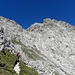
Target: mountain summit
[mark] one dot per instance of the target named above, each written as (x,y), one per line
(48,47)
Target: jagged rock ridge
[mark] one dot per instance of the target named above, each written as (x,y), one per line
(48,47)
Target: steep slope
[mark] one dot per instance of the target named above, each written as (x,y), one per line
(7,63)
(48,47)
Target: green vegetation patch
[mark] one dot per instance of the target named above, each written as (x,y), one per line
(16,42)
(27,70)
(7,61)
(30,52)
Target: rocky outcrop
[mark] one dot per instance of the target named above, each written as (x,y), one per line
(48,47)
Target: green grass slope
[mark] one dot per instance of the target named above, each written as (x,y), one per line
(6,65)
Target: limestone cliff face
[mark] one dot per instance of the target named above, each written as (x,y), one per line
(49,47)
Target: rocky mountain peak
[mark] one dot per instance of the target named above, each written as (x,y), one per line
(49,47)
(51,24)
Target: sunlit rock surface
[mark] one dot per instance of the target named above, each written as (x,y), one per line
(49,47)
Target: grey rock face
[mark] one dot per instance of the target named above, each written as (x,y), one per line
(49,47)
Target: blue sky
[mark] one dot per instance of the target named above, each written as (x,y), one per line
(26,12)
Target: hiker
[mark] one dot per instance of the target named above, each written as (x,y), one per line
(17,60)
(18,55)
